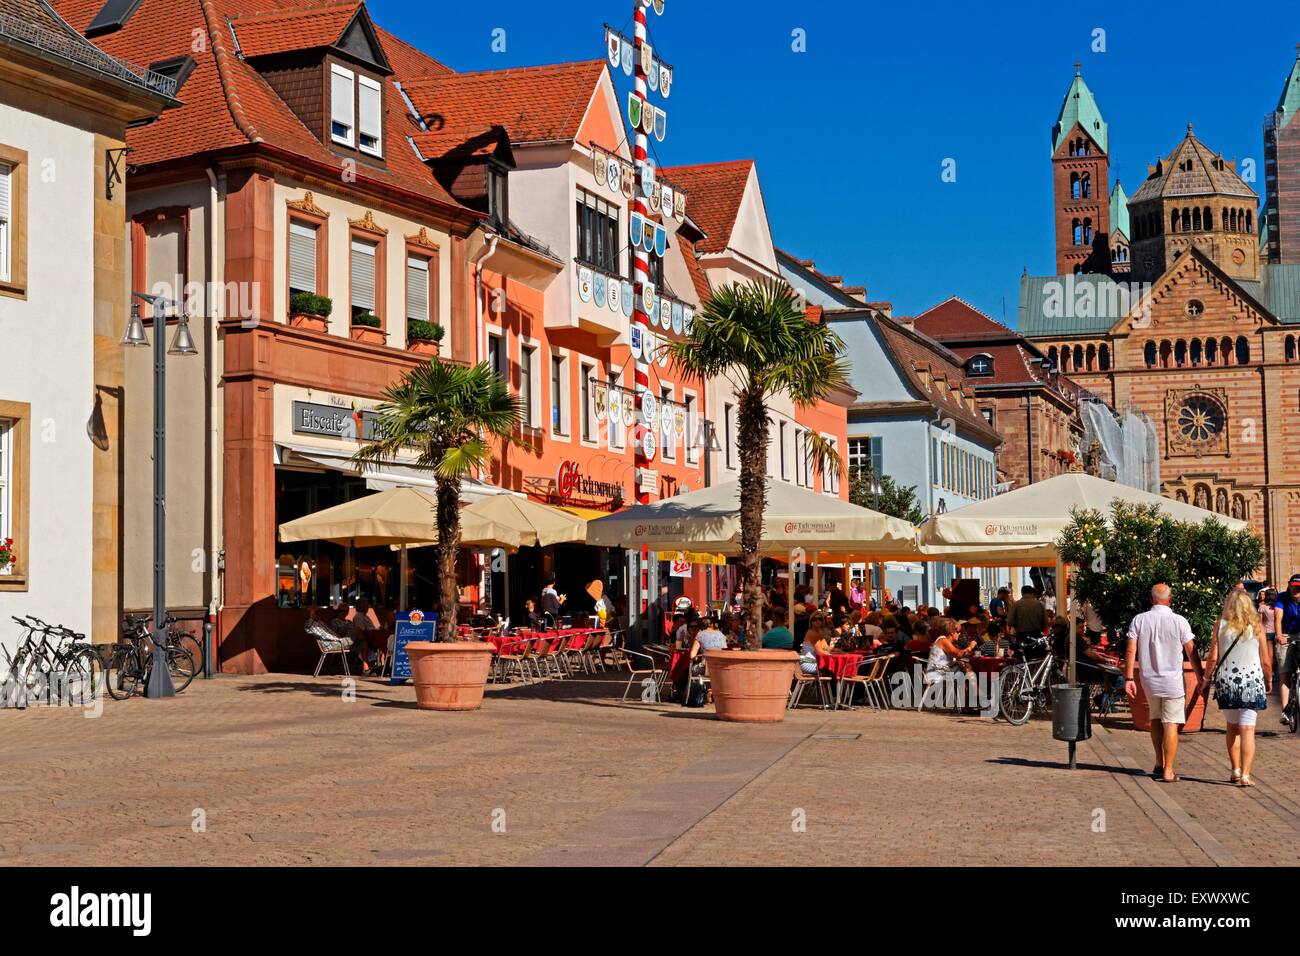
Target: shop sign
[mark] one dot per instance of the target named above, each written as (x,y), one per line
(411,626)
(680,569)
(647,480)
(570,481)
(310,418)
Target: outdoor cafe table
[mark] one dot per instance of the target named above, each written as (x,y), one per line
(841,664)
(990,665)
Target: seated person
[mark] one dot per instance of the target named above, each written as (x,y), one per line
(870,627)
(947,656)
(891,638)
(920,642)
(533,620)
(707,637)
(995,643)
(777,636)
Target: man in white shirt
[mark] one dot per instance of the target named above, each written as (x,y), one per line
(1158,639)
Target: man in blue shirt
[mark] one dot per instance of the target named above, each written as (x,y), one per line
(1286,614)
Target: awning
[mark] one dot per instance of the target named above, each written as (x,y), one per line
(586,514)
(380,477)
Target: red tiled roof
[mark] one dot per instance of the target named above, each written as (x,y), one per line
(698,278)
(226,103)
(956,317)
(300,28)
(408,62)
(714,192)
(535,104)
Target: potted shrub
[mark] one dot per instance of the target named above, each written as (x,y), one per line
(368,328)
(758,336)
(310,311)
(424,338)
(447,414)
(1122,556)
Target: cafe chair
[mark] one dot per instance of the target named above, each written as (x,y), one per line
(549,656)
(871,678)
(643,667)
(329,643)
(802,681)
(513,656)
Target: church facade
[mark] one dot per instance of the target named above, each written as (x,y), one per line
(1179,304)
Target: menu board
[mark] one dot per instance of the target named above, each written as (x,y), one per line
(411,626)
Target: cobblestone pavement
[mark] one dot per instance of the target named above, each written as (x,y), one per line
(284,770)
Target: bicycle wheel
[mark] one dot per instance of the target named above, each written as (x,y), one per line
(180,664)
(1017,702)
(85,681)
(125,673)
(1293,706)
(191,645)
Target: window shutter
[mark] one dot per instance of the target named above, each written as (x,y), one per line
(342,104)
(417,288)
(370,97)
(6,215)
(302,257)
(363,275)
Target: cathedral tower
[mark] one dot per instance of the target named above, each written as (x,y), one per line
(1281,230)
(1081,183)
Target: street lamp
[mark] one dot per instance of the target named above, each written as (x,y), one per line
(160,681)
(875,506)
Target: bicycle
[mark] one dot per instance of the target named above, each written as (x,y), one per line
(132,662)
(177,635)
(38,667)
(1027,686)
(1292,710)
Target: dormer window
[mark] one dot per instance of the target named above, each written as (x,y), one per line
(356,110)
(498,194)
(369,99)
(979,366)
(343,110)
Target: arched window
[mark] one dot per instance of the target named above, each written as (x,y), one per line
(1225,221)
(1103,358)
(1225,351)
(1180,353)
(1074,186)
(1166,351)
(1243,350)
(1250,221)
(1077,229)
(1175,218)
(1196,219)
(1290,348)
(1207,218)
(1087,231)
(1197,352)
(980,365)
(1052,356)
(1078,358)
(1149,354)
(1092,357)
(1211,352)
(1232,221)
(1085,185)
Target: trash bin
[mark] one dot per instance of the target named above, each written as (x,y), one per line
(1071,717)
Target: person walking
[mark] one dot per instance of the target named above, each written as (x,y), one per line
(1286,623)
(1158,639)
(1240,670)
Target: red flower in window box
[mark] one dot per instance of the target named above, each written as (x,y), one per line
(7,556)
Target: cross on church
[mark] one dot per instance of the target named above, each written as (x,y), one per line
(1079,65)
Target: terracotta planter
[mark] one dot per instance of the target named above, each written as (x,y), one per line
(751,686)
(449,676)
(316,323)
(1195,720)
(368,334)
(423,347)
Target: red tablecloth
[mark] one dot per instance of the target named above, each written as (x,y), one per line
(839,665)
(576,637)
(990,665)
(678,664)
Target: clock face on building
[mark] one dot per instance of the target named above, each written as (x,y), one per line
(1200,419)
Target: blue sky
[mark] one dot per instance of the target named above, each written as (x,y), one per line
(851,136)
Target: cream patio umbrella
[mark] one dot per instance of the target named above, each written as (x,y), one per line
(401,516)
(1021,527)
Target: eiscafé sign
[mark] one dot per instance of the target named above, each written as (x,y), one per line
(571,482)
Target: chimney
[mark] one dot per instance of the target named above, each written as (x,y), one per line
(885,308)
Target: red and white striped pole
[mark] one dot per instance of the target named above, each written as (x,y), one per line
(641,261)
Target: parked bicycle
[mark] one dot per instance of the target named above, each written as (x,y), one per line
(177,635)
(132,661)
(1027,686)
(51,663)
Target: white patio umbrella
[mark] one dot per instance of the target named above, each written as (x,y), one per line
(1021,527)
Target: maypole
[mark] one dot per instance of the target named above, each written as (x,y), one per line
(643,446)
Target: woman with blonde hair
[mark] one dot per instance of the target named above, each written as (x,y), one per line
(1240,666)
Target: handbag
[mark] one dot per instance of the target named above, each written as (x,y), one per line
(1214,687)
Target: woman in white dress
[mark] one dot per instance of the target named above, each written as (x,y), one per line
(1242,668)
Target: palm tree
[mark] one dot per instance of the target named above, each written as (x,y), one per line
(759,339)
(445,414)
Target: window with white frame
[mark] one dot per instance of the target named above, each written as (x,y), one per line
(800,458)
(496,352)
(6,482)
(370,120)
(616,421)
(781,456)
(527,385)
(692,430)
(559,395)
(343,105)
(667,446)
(587,373)
(600,243)
(831,473)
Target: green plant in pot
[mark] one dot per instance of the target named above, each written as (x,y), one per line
(368,320)
(310,310)
(419,330)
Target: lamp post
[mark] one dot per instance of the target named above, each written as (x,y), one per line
(160,681)
(880,565)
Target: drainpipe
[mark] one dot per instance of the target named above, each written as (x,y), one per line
(486,253)
(216,272)
(1029,432)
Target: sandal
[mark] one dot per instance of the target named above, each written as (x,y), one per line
(1245,781)
(1157,771)
(1175,779)
(1236,776)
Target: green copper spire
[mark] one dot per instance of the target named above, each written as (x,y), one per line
(1289,102)
(1079,107)
(1119,209)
